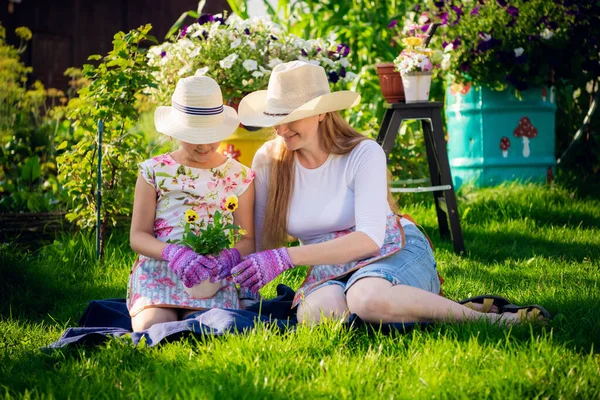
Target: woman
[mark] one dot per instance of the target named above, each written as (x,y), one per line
(326,184)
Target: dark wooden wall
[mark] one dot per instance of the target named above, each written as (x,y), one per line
(66,32)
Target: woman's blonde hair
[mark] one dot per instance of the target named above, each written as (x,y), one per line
(337,137)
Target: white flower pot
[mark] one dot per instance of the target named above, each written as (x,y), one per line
(204,289)
(416,86)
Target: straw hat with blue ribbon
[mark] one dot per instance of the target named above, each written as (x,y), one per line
(197,114)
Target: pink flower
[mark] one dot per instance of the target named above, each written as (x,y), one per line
(164,159)
(222,204)
(152,286)
(143,277)
(230,184)
(213,184)
(135,298)
(228,304)
(175,297)
(250,177)
(162,228)
(166,281)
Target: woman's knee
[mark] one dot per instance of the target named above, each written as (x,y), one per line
(328,302)
(150,316)
(367,299)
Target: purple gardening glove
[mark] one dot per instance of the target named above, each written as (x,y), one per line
(189,266)
(224,262)
(258,269)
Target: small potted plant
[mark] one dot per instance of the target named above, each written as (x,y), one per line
(416,63)
(210,239)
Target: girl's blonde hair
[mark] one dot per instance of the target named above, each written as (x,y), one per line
(337,137)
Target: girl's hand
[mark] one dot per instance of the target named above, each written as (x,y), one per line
(189,266)
(261,268)
(224,262)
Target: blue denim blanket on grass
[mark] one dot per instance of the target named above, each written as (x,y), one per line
(110,318)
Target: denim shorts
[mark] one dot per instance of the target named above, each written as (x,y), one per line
(413,265)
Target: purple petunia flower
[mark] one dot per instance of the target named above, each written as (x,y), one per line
(513,11)
(247,31)
(163,54)
(444,18)
(475,11)
(205,18)
(464,67)
(333,77)
(439,4)
(304,53)
(273,37)
(184,31)
(319,49)
(458,10)
(220,19)
(393,23)
(343,72)
(425,27)
(417,7)
(343,50)
(502,3)
(456,42)
(511,23)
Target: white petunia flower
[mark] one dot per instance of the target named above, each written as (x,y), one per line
(236,43)
(547,34)
(201,71)
(257,74)
(228,61)
(445,64)
(344,62)
(350,76)
(185,70)
(519,51)
(274,62)
(250,65)
(316,62)
(449,47)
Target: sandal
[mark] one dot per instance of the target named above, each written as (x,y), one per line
(530,313)
(487,300)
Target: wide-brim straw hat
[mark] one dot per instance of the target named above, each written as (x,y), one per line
(296,90)
(197,114)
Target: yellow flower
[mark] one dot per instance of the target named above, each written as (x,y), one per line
(231,203)
(242,232)
(191,216)
(412,41)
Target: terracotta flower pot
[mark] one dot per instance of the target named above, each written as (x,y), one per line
(390,82)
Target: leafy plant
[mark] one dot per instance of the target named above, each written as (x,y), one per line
(31,122)
(211,237)
(239,54)
(116,85)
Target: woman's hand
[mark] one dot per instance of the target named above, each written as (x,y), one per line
(258,269)
(189,266)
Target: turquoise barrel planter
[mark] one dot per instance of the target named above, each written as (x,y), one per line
(496,137)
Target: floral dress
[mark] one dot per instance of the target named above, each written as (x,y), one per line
(179,189)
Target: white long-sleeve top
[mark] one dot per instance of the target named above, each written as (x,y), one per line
(345,191)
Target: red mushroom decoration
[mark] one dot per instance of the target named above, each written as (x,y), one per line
(527,131)
(231,152)
(504,146)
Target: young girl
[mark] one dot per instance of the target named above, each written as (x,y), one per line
(191,182)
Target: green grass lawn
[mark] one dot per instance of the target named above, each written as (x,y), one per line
(532,244)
